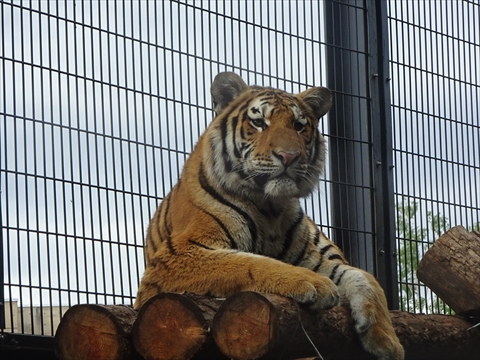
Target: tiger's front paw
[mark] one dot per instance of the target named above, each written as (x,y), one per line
(381,340)
(371,316)
(374,326)
(313,289)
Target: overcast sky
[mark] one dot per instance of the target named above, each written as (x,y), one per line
(101,102)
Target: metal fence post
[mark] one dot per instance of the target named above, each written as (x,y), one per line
(382,154)
(349,138)
(2,280)
(360,138)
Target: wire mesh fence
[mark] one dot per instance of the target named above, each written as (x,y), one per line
(101,103)
(434,52)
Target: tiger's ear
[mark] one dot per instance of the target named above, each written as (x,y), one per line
(226,87)
(318,99)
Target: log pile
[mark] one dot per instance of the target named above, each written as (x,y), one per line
(251,325)
(247,325)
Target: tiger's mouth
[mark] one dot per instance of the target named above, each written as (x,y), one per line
(261,180)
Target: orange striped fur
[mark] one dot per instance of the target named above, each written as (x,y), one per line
(233,222)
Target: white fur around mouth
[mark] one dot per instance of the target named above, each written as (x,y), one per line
(281,186)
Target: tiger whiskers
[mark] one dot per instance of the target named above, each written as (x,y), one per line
(265,198)
(239,166)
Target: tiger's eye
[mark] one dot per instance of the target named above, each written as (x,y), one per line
(258,122)
(298,126)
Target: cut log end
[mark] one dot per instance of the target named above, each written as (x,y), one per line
(169,326)
(95,332)
(245,326)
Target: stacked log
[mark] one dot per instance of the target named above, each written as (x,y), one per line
(174,326)
(96,332)
(247,325)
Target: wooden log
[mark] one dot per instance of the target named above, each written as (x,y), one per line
(451,269)
(176,326)
(247,326)
(250,326)
(96,332)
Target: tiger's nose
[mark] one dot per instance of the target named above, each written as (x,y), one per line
(286,158)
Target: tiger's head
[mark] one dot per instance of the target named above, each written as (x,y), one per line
(265,141)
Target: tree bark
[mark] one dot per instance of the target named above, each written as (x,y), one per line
(251,326)
(451,269)
(96,332)
(175,326)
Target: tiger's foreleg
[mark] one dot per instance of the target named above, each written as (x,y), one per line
(361,292)
(222,272)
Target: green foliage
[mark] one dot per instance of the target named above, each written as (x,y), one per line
(475,226)
(414,242)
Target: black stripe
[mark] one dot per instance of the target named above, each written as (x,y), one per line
(154,223)
(170,245)
(243,145)
(289,234)
(301,255)
(152,244)
(200,244)
(315,269)
(166,201)
(315,153)
(268,209)
(242,130)
(269,96)
(312,154)
(168,225)
(246,146)
(325,249)
(156,261)
(233,244)
(316,239)
(213,193)
(236,152)
(242,174)
(249,151)
(244,117)
(159,228)
(226,156)
(341,276)
(245,105)
(334,271)
(335,256)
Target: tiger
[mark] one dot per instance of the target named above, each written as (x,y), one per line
(233,222)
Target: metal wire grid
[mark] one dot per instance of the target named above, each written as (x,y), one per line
(100,104)
(435,47)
